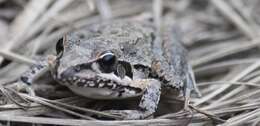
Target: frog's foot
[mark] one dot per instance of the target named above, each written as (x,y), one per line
(26,87)
(130,114)
(186,99)
(148,103)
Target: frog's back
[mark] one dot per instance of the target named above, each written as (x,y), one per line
(131,40)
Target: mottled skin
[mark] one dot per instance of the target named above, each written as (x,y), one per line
(122,59)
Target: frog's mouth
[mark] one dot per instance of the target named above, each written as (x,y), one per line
(92,76)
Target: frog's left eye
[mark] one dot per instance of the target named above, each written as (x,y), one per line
(59,46)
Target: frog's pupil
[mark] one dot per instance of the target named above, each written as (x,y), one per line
(107,62)
(109,59)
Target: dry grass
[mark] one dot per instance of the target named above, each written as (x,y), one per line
(222,38)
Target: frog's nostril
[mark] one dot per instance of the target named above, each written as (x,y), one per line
(77,69)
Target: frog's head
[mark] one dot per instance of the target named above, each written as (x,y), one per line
(80,65)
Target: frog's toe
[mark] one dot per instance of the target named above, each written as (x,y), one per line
(23,86)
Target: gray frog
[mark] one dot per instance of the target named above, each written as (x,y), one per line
(121,59)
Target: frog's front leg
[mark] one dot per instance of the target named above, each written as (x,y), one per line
(148,103)
(36,71)
(33,73)
(171,64)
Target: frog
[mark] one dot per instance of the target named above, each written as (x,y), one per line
(122,59)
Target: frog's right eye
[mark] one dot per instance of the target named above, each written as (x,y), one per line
(107,61)
(59,46)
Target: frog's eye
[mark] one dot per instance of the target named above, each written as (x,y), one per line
(107,60)
(59,46)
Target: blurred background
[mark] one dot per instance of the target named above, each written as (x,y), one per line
(220,35)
